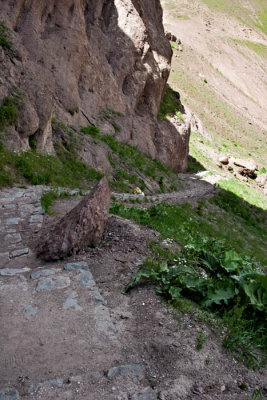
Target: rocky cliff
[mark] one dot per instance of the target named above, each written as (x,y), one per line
(73,60)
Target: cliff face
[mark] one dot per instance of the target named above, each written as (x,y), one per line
(75,59)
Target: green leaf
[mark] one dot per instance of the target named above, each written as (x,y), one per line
(210,261)
(142,273)
(231,261)
(221,291)
(175,292)
(255,287)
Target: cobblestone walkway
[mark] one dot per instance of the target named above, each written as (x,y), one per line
(20,215)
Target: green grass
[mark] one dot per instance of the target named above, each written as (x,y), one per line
(48,198)
(64,170)
(129,163)
(5,41)
(235,190)
(169,106)
(92,130)
(8,111)
(259,48)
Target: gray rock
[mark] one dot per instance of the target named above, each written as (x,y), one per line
(134,371)
(30,310)
(19,252)
(71,302)
(48,284)
(13,271)
(13,238)
(44,272)
(147,394)
(12,221)
(86,279)
(74,266)
(53,382)
(97,296)
(104,324)
(36,219)
(9,394)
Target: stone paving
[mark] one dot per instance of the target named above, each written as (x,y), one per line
(49,314)
(20,212)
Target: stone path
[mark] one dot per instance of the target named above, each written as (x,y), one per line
(54,319)
(197,187)
(61,337)
(20,212)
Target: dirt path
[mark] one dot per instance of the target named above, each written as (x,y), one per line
(67,332)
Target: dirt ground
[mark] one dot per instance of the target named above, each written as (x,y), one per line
(67,331)
(235,72)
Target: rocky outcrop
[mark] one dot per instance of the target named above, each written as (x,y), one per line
(83,226)
(75,59)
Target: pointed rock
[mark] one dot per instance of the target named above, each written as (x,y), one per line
(83,226)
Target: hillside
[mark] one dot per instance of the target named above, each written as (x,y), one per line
(171,303)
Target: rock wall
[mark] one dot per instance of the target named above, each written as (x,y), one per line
(75,59)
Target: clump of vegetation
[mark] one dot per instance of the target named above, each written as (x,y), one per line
(108,113)
(130,164)
(48,198)
(91,130)
(9,109)
(5,41)
(65,169)
(170,105)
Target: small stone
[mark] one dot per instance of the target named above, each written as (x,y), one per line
(19,252)
(13,271)
(13,238)
(12,221)
(4,258)
(86,279)
(74,379)
(9,394)
(71,302)
(135,371)
(147,394)
(44,272)
(224,160)
(48,284)
(30,310)
(36,219)
(79,265)
(223,388)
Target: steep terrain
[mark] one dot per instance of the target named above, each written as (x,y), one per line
(172,304)
(76,61)
(221,74)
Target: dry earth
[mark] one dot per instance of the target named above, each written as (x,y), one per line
(67,332)
(221,75)
(210,36)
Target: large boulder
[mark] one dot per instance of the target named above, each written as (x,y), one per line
(246,167)
(83,226)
